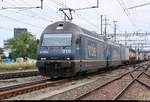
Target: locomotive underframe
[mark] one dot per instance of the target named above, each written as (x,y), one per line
(56,69)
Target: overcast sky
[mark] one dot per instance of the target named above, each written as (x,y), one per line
(35,20)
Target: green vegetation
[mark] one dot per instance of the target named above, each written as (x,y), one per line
(23,46)
(23,49)
(1,60)
(16,66)
(1,51)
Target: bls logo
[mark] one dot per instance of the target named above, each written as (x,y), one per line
(92,49)
(66,51)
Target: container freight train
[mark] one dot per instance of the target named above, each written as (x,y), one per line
(66,49)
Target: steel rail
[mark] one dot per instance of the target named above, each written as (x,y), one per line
(147,74)
(2,89)
(129,72)
(18,74)
(126,87)
(148,86)
(17,90)
(29,88)
(131,82)
(86,94)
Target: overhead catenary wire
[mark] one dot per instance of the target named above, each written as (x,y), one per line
(141,5)
(19,21)
(96,13)
(16,20)
(43,11)
(37,14)
(47,15)
(62,5)
(86,20)
(133,24)
(22,7)
(17,12)
(44,18)
(57,4)
(126,13)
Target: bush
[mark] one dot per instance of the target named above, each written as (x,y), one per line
(16,66)
(1,60)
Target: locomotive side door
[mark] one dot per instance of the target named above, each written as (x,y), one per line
(108,55)
(78,48)
(80,53)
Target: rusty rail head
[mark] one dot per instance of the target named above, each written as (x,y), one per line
(147,74)
(134,79)
(2,89)
(130,83)
(29,88)
(117,96)
(18,74)
(86,94)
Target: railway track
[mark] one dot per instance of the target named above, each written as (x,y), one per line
(11,91)
(11,75)
(120,94)
(84,92)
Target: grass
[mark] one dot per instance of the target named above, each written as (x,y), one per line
(16,66)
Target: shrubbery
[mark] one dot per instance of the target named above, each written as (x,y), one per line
(1,60)
(16,66)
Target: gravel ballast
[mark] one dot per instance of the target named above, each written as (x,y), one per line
(102,77)
(88,83)
(136,92)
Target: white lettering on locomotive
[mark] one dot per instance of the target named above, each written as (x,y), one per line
(92,49)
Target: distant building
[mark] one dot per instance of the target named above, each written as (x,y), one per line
(18,31)
(5,43)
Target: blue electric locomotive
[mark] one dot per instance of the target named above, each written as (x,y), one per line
(66,49)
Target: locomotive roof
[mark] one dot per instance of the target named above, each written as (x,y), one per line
(65,26)
(62,26)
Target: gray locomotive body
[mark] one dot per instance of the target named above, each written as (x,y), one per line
(66,49)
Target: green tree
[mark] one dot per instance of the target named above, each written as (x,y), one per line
(1,51)
(23,46)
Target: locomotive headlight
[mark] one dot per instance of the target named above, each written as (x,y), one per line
(68,58)
(43,58)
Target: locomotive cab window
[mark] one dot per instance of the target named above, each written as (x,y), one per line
(57,40)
